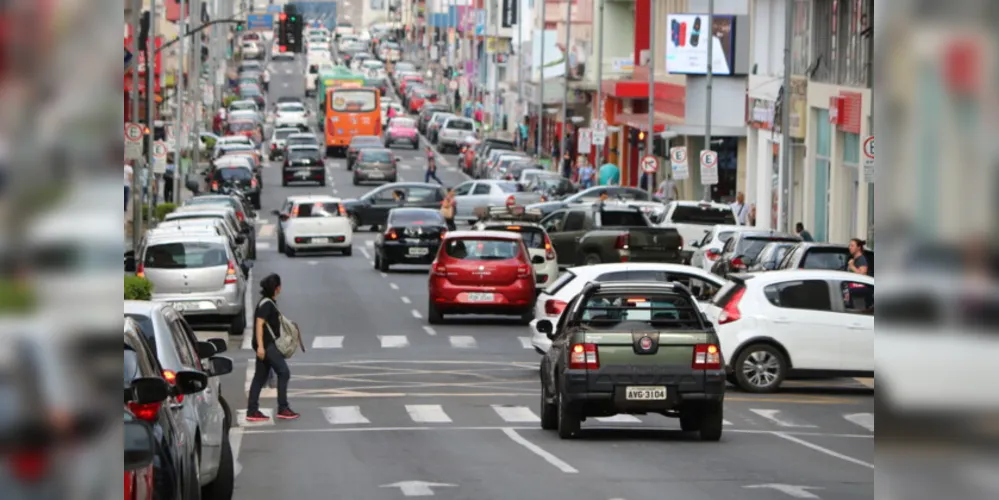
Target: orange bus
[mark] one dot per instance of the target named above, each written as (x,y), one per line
(351,111)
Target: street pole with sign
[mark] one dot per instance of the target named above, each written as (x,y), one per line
(600,126)
(150,124)
(541,84)
(178,93)
(709,85)
(568,68)
(650,165)
(650,146)
(137,163)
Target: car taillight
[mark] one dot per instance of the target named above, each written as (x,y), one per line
(342,210)
(171,377)
(241,216)
(549,249)
(273,145)
(524,271)
(29,466)
(391,234)
(230,274)
(737,263)
(146,412)
(731,312)
(215,186)
(140,270)
(253,182)
(584,357)
(554,307)
(706,357)
(510,201)
(440,270)
(352,151)
(712,254)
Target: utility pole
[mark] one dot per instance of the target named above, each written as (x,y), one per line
(178,92)
(650,136)
(541,82)
(785,121)
(600,79)
(707,121)
(136,189)
(520,69)
(494,63)
(565,79)
(150,104)
(181,175)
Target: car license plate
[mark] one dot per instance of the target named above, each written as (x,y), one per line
(320,241)
(419,251)
(645,393)
(376,175)
(481,297)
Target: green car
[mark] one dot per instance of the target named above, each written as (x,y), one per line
(632,348)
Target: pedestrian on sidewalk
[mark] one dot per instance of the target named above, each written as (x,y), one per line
(740,208)
(587,175)
(858,261)
(266,330)
(799,228)
(431,172)
(129,173)
(168,179)
(668,191)
(609,174)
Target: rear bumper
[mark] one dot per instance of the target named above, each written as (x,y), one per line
(314,241)
(399,253)
(312,175)
(604,390)
(221,303)
(412,140)
(369,175)
(452,299)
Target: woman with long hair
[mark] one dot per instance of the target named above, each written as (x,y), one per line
(266,330)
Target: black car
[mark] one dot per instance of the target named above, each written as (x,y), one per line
(359,142)
(239,177)
(411,236)
(148,397)
(303,164)
(427,112)
(742,249)
(373,208)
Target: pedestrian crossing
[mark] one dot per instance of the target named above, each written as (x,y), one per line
(399,415)
(457,342)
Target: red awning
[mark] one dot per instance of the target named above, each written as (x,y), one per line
(670,99)
(142,84)
(640,121)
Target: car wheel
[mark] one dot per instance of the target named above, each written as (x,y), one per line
(284,183)
(549,411)
(377,262)
(760,369)
(434,316)
(689,419)
(347,252)
(383,265)
(280,243)
(222,487)
(591,259)
(527,316)
(290,252)
(256,202)
(354,222)
(356,182)
(253,249)
(568,416)
(194,477)
(710,421)
(322,183)
(237,324)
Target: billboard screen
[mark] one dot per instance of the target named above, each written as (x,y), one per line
(687,44)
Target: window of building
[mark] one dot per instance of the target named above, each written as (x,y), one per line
(841,36)
(801,37)
(823,159)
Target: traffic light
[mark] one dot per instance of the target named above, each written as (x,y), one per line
(641,136)
(299,23)
(283,31)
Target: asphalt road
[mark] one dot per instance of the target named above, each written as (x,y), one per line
(392,407)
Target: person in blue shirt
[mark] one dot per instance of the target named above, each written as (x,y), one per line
(610,175)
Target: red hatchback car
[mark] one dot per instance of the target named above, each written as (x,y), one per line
(482,272)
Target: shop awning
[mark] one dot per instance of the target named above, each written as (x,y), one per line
(640,121)
(142,85)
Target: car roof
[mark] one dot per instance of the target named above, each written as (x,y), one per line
(598,269)
(500,235)
(768,277)
(756,233)
(185,237)
(299,198)
(302,135)
(207,209)
(507,223)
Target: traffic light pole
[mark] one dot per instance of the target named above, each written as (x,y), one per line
(150,104)
(135,188)
(650,179)
(179,89)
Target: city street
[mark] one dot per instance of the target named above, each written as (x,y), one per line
(392,407)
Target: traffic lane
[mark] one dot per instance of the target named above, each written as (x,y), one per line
(736,467)
(287,79)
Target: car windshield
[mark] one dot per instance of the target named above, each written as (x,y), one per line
(354,100)
(460,125)
(283,134)
(534,237)
(186,255)
(706,215)
(303,154)
(376,156)
(606,311)
(235,174)
(291,108)
(241,126)
(481,249)
(402,123)
(416,218)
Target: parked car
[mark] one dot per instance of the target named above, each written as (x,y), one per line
(694,218)
(829,256)
(771,255)
(434,126)
(742,249)
(239,177)
(225,213)
(140,451)
(411,236)
(709,248)
(314,222)
(453,132)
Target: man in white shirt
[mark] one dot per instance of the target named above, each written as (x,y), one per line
(128,183)
(740,208)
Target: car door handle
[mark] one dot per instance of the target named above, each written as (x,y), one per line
(781,320)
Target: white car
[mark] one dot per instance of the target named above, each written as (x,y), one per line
(539,246)
(709,248)
(251,50)
(312,76)
(314,222)
(230,140)
(777,324)
(277,142)
(553,299)
(385,107)
(291,114)
(694,218)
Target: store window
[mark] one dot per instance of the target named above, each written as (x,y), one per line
(851,166)
(823,160)
(841,41)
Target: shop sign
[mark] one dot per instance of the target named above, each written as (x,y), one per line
(761,114)
(850,111)
(799,107)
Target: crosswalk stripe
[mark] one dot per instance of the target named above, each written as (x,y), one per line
(344,415)
(515,414)
(266,231)
(525,342)
(241,418)
(247,344)
(462,342)
(393,341)
(865,420)
(430,414)
(327,342)
(774,416)
(619,419)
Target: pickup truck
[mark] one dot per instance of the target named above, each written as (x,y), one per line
(599,233)
(693,219)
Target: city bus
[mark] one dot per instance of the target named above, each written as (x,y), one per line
(330,78)
(351,110)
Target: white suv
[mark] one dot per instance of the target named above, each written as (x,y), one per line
(781,323)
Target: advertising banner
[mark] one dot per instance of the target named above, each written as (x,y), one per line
(554,63)
(510,13)
(687,40)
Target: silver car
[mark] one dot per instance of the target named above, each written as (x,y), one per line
(246,248)
(278,139)
(197,274)
(484,193)
(205,416)
(453,133)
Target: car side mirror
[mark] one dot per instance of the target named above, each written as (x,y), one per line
(147,390)
(537,259)
(220,365)
(140,445)
(219,344)
(130,261)
(544,326)
(206,349)
(191,382)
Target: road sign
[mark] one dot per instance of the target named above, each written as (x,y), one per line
(678,163)
(599,132)
(260,21)
(159,157)
(869,159)
(650,164)
(709,168)
(585,141)
(133,141)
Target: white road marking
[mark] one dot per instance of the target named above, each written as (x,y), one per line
(328,342)
(772,415)
(865,420)
(405,167)
(620,419)
(267,231)
(313,262)
(515,414)
(241,418)
(430,330)
(247,341)
(364,251)
(384,275)
(462,342)
(321,430)
(821,449)
(263,245)
(335,191)
(416,314)
(369,243)
(405,300)
(248,311)
(525,342)
(393,286)
(344,415)
(427,414)
(393,341)
(537,450)
(788,489)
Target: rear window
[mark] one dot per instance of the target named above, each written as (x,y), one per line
(460,125)
(291,108)
(482,249)
(235,174)
(534,237)
(416,218)
(826,258)
(560,283)
(403,123)
(707,216)
(186,255)
(623,219)
(303,154)
(750,248)
(354,100)
(283,134)
(317,210)
(676,311)
(300,140)
(242,126)
(376,156)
